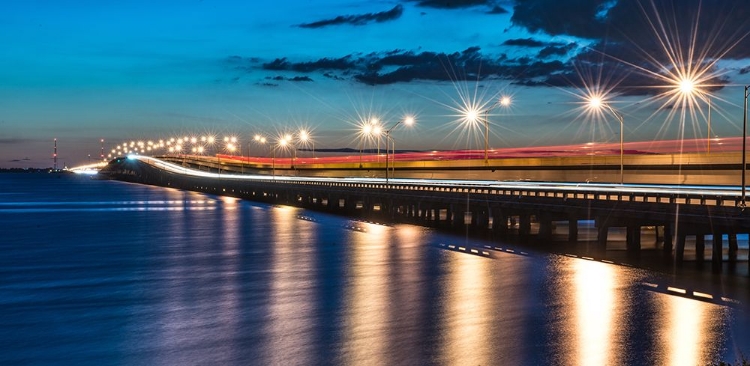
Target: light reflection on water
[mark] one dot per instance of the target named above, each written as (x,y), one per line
(246,283)
(465,315)
(597,305)
(688,331)
(366,301)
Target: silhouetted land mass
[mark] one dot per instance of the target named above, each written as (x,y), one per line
(31,170)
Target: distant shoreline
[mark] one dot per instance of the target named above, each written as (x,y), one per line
(31,170)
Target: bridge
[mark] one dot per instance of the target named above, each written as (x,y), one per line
(524,210)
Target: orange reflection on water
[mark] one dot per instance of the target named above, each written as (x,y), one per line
(465,315)
(366,299)
(290,323)
(597,303)
(687,330)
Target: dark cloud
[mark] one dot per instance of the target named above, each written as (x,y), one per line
(404,66)
(550,51)
(332,76)
(282,64)
(268,84)
(524,42)
(361,19)
(745,70)
(713,26)
(497,10)
(555,17)
(630,37)
(282,78)
(453,4)
(469,64)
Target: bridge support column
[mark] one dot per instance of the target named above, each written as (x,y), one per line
(679,252)
(481,220)
(524,226)
(717,250)
(633,238)
(458,219)
(602,231)
(573,230)
(499,223)
(733,248)
(545,228)
(667,248)
(700,248)
(431,216)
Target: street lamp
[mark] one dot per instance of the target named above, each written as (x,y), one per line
(366,131)
(407,121)
(304,138)
(598,103)
(504,101)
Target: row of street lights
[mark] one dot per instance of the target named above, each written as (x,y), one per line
(372,129)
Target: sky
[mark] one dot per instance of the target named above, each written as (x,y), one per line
(80,71)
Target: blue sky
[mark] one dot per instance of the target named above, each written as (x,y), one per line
(80,71)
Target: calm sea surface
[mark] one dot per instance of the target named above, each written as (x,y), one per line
(104,272)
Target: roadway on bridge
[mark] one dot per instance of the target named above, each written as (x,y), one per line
(725,192)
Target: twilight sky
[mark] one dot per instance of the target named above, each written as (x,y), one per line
(83,70)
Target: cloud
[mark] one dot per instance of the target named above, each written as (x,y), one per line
(441,66)
(453,4)
(713,27)
(398,66)
(282,64)
(358,20)
(497,10)
(524,42)
(550,51)
(555,17)
(282,78)
(633,40)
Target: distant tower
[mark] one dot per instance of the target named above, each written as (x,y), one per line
(101,155)
(54,155)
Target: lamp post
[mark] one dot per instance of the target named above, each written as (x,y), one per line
(708,135)
(407,121)
(743,204)
(504,101)
(366,131)
(598,104)
(273,162)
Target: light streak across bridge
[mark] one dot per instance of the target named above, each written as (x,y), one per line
(645,189)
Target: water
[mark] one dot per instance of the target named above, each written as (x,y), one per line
(105,272)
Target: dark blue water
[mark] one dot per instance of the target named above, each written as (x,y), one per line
(105,272)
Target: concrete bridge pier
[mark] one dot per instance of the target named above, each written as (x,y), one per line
(679,253)
(668,239)
(700,248)
(633,238)
(572,230)
(602,232)
(733,248)
(499,223)
(717,250)
(458,218)
(545,228)
(524,226)
(480,219)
